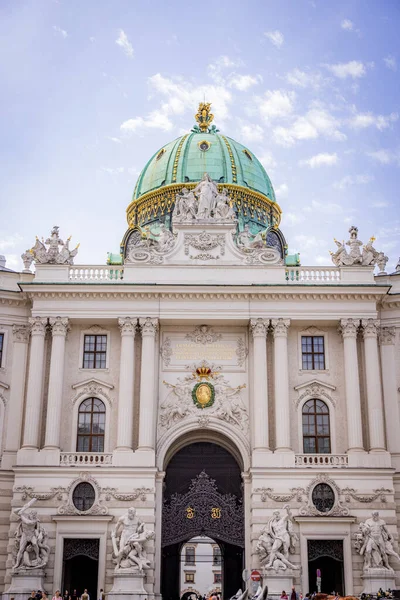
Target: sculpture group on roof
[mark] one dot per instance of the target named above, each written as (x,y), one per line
(368,256)
(57,251)
(203,202)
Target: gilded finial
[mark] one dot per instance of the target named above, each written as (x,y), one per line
(372,239)
(204,117)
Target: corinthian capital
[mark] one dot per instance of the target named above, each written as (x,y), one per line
(20,333)
(38,325)
(370,327)
(127,325)
(348,327)
(59,326)
(280,327)
(387,336)
(148,326)
(259,327)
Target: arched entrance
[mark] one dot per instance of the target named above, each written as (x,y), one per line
(202,497)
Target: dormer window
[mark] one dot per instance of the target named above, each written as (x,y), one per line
(247,153)
(160,154)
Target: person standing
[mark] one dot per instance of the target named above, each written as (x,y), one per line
(57,595)
(85,595)
(294,595)
(33,595)
(75,595)
(102,595)
(284,595)
(66,595)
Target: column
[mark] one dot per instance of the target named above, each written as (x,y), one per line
(259,330)
(33,409)
(127,327)
(374,388)
(281,383)
(348,329)
(13,429)
(148,327)
(59,330)
(387,339)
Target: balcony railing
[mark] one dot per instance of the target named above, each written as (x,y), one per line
(86,273)
(321,460)
(313,275)
(92,459)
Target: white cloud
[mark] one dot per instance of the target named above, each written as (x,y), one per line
(275,103)
(315,123)
(10,241)
(267,161)
(390,62)
(222,63)
(327,208)
(319,160)
(115,139)
(385,156)
(112,171)
(321,260)
(154,120)
(290,219)
(302,79)
(381,204)
(124,43)
(347,25)
(282,191)
(363,120)
(92,39)
(243,82)
(252,133)
(60,31)
(354,69)
(275,37)
(350,180)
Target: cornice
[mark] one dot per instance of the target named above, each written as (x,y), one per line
(14,298)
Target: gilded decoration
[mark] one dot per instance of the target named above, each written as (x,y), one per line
(204,116)
(159,203)
(203,394)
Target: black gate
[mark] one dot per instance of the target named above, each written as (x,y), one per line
(203,510)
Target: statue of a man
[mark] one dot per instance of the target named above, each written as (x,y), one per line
(206,192)
(30,538)
(280,531)
(128,539)
(376,543)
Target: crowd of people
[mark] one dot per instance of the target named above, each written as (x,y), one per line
(42,595)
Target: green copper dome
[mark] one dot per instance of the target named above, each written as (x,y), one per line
(186,159)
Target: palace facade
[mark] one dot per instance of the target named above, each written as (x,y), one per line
(207,379)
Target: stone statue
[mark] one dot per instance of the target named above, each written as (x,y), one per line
(249,241)
(32,551)
(149,245)
(162,241)
(368,256)
(223,208)
(206,192)
(51,255)
(128,539)
(276,541)
(375,544)
(185,205)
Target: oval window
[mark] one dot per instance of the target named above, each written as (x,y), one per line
(83,496)
(323,497)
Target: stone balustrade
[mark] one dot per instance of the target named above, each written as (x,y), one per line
(320,275)
(95,273)
(92,459)
(321,460)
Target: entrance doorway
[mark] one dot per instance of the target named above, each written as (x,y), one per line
(327,556)
(203,499)
(80,566)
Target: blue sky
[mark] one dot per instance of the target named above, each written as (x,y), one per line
(91,89)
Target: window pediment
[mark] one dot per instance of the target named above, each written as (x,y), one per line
(315,389)
(92,387)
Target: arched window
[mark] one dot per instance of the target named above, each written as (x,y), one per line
(91,424)
(316,430)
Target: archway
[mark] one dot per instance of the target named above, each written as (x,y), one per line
(80,566)
(202,497)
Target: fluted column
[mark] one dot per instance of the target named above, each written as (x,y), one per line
(59,330)
(348,329)
(13,430)
(259,330)
(374,388)
(33,409)
(281,384)
(387,339)
(126,383)
(148,327)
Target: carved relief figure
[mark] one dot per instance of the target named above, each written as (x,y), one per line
(185,205)
(277,540)
(30,540)
(374,543)
(149,244)
(128,539)
(369,255)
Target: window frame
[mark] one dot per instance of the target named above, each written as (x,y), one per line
(218,577)
(190,574)
(91,435)
(217,556)
(3,360)
(94,330)
(190,563)
(316,436)
(313,332)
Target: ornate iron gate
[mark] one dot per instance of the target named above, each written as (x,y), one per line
(203,510)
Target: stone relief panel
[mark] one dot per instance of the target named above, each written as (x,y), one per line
(179,349)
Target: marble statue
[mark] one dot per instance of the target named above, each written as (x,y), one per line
(223,208)
(128,539)
(57,251)
(375,544)
(249,241)
(163,241)
(276,541)
(206,193)
(368,256)
(185,205)
(203,202)
(149,245)
(32,551)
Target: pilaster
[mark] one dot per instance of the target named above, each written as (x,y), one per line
(148,327)
(281,383)
(259,331)
(127,326)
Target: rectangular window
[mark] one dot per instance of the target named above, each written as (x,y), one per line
(217,577)
(190,557)
(94,351)
(217,556)
(312,352)
(189,577)
(1,348)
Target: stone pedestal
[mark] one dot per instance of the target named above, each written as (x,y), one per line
(23,583)
(128,585)
(278,581)
(378,578)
